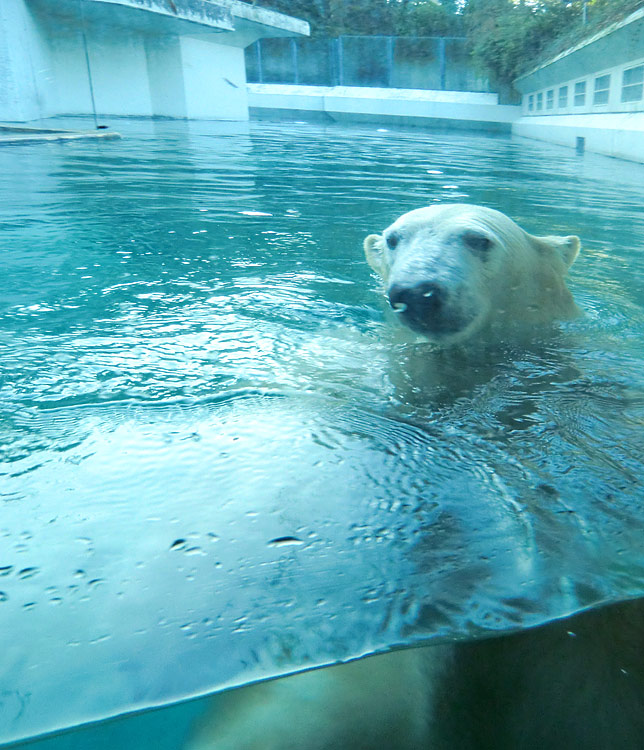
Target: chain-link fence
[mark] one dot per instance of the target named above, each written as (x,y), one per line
(380,61)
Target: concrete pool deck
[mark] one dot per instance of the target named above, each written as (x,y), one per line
(15,134)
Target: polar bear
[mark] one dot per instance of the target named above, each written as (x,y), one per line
(573,683)
(455,272)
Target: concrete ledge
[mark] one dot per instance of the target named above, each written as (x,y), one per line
(12,135)
(620,135)
(462,109)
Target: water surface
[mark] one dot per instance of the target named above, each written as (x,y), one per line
(221,461)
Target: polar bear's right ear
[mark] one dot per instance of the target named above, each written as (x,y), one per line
(374,247)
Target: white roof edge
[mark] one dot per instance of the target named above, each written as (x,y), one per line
(266,17)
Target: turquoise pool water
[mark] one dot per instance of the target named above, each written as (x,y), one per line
(220,462)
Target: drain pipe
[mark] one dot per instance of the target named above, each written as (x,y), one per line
(89,70)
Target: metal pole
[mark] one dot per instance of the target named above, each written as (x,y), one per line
(390,60)
(296,72)
(442,63)
(89,70)
(260,71)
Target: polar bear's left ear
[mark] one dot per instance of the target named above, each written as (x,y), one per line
(567,248)
(374,252)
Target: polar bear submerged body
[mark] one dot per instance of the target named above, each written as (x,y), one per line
(454,274)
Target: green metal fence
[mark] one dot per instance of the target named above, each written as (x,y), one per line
(378,61)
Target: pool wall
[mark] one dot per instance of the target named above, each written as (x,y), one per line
(140,58)
(591,96)
(454,109)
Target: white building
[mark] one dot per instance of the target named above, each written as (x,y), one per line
(592,95)
(172,58)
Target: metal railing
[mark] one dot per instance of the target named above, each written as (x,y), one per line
(436,63)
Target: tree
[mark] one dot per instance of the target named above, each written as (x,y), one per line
(505,35)
(428,19)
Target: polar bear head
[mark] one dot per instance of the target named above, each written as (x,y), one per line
(455,271)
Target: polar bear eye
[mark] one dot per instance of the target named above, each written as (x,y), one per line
(477,242)
(392,240)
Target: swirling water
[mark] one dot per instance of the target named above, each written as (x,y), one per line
(221,462)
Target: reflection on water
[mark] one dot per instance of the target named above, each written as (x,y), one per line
(222,460)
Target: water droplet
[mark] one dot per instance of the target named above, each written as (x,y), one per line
(3,596)
(27,573)
(285,541)
(5,570)
(178,544)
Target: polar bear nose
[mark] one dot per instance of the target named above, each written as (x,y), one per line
(419,302)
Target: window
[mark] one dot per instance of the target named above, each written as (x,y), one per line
(602,90)
(633,84)
(580,94)
(540,100)
(563,97)
(530,102)
(550,99)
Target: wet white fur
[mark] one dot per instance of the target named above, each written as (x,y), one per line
(520,281)
(571,684)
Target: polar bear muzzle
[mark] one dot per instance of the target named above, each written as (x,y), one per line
(425,308)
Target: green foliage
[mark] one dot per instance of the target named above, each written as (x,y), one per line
(428,19)
(599,13)
(506,37)
(374,17)
(369,17)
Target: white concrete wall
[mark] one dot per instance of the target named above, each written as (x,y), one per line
(383,105)
(118,66)
(142,76)
(619,135)
(25,70)
(614,104)
(165,76)
(214,80)
(612,127)
(144,59)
